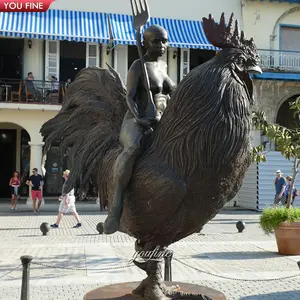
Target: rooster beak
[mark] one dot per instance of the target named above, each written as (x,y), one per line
(255,69)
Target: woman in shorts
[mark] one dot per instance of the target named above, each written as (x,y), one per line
(67,204)
(14,185)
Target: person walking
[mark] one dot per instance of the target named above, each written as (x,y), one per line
(280,185)
(36,182)
(14,185)
(295,193)
(67,204)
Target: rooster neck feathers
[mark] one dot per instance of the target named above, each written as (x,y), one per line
(204,127)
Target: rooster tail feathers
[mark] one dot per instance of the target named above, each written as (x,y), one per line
(119,80)
(89,122)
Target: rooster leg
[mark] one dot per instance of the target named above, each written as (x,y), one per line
(153,287)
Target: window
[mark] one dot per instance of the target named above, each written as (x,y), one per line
(184,62)
(290,38)
(92,55)
(52,59)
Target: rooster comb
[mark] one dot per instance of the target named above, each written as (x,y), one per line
(230,36)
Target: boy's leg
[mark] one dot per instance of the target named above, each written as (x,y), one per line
(130,138)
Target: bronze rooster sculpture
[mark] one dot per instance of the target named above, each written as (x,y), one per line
(193,163)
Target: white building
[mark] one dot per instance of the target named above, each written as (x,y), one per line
(275,27)
(72,35)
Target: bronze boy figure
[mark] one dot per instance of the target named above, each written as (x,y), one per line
(138,119)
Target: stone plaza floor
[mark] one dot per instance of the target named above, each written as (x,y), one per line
(69,262)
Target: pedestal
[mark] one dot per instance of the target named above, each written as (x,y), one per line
(122,291)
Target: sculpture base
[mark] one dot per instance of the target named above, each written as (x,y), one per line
(122,291)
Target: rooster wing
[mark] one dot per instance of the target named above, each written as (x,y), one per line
(89,122)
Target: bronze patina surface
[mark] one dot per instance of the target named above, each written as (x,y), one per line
(164,159)
(122,291)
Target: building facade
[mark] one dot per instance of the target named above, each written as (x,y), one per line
(75,34)
(275,27)
(72,35)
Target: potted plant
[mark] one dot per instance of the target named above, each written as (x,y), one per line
(284,221)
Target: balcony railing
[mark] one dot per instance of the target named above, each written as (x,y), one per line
(32,91)
(280,61)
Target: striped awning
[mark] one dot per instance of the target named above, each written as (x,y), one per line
(56,25)
(182,33)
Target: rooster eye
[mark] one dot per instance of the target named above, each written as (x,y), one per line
(241,60)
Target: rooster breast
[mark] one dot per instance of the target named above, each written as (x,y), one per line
(151,203)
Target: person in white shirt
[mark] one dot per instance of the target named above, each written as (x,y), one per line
(67,204)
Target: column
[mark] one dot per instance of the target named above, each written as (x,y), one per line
(121,54)
(33,58)
(105,58)
(18,150)
(172,65)
(36,156)
(255,137)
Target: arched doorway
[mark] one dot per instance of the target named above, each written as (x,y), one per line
(14,156)
(285,115)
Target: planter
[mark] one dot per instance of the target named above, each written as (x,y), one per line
(288,238)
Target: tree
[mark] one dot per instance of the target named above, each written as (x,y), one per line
(286,140)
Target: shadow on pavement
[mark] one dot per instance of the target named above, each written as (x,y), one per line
(29,213)
(17,228)
(87,234)
(272,296)
(239,211)
(239,255)
(222,221)
(32,235)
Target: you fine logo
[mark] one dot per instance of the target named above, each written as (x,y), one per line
(156,254)
(25,5)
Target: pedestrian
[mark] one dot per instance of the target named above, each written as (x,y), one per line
(280,185)
(67,84)
(67,204)
(14,185)
(36,182)
(295,193)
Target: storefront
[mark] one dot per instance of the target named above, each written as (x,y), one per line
(61,42)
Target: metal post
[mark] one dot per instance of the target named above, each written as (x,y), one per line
(168,265)
(26,259)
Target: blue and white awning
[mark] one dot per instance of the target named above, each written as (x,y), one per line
(182,33)
(56,25)
(93,27)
